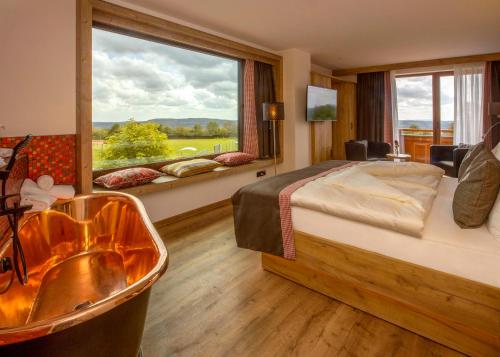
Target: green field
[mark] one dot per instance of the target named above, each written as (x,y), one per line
(178,148)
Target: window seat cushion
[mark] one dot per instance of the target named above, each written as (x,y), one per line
(234,158)
(127,178)
(190,167)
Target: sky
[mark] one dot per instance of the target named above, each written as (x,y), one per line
(415,98)
(321,96)
(135,78)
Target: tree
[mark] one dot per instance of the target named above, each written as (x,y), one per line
(212,128)
(136,141)
(223,132)
(114,128)
(197,130)
(181,131)
(231,129)
(99,133)
(167,130)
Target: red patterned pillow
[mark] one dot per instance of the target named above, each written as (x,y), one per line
(234,158)
(127,178)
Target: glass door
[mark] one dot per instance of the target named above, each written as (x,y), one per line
(425,112)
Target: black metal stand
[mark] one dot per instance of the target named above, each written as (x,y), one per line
(13,214)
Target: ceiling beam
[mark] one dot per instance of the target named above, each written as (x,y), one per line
(416,64)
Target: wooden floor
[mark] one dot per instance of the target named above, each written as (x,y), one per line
(215,300)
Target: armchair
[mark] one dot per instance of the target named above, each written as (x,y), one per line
(364,150)
(448,157)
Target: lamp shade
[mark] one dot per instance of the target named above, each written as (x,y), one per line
(494,108)
(273,111)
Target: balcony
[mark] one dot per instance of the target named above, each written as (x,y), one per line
(417,142)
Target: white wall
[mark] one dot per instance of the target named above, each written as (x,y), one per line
(37,67)
(38,95)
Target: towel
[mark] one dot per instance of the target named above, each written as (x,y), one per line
(30,188)
(40,202)
(6,152)
(45,182)
(63,192)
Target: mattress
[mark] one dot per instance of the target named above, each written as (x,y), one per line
(469,253)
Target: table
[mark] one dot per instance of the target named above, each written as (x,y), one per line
(399,157)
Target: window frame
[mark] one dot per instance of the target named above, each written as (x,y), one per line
(436,99)
(101,13)
(157,165)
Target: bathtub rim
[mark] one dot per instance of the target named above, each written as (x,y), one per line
(45,327)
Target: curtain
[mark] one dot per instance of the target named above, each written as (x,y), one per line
(370,106)
(388,131)
(469,80)
(250,137)
(396,132)
(494,97)
(264,92)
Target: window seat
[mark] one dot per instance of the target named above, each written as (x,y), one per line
(169,182)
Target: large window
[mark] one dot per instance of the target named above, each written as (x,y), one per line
(425,111)
(153,102)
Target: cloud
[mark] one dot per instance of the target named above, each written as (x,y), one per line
(415,98)
(145,79)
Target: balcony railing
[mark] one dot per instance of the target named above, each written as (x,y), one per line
(417,142)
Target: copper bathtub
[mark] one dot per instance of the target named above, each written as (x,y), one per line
(91,263)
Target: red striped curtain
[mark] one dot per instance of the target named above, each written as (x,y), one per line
(250,138)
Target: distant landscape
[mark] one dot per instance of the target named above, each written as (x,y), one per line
(130,142)
(170,122)
(423,124)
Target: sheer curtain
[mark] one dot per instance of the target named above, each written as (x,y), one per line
(396,133)
(469,86)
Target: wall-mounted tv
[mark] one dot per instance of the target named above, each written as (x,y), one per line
(321,104)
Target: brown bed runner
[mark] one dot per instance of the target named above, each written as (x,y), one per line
(256,208)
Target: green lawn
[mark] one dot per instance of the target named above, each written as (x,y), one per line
(178,148)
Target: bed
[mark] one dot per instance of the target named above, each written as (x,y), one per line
(444,285)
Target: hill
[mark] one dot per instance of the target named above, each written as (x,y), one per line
(423,124)
(171,122)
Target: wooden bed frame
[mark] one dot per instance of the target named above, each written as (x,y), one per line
(454,311)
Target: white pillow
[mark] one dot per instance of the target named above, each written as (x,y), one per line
(493,223)
(496,151)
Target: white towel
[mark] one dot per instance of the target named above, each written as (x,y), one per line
(39,202)
(6,152)
(45,182)
(64,192)
(30,187)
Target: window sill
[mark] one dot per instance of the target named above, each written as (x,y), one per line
(170,182)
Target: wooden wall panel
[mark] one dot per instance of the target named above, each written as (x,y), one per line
(344,129)
(321,132)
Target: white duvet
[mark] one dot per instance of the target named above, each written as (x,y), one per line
(391,195)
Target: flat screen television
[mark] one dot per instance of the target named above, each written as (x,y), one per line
(321,104)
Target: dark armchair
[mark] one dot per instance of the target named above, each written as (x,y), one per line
(364,150)
(448,157)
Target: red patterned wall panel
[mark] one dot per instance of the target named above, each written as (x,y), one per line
(53,155)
